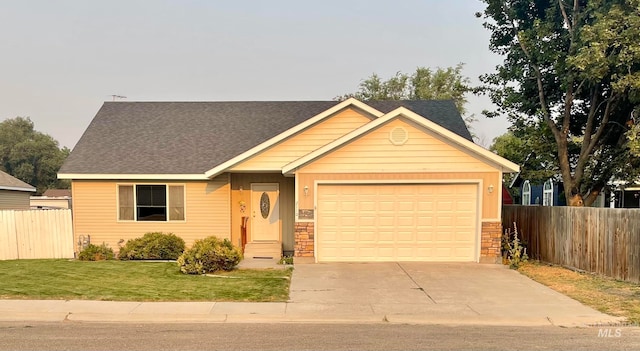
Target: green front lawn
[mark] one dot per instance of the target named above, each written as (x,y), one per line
(135,281)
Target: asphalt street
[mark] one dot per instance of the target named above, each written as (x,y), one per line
(308,336)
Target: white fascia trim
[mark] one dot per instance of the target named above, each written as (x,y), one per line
(508,166)
(286,134)
(17,188)
(81,176)
(397,181)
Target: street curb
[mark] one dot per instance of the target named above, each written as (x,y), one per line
(318,319)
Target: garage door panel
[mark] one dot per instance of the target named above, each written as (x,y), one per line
(400,222)
(385,235)
(386,205)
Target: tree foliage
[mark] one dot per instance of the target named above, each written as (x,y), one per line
(423,84)
(536,156)
(29,155)
(572,66)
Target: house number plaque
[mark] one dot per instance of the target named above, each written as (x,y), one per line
(265,205)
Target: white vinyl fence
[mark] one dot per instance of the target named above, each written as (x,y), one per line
(36,234)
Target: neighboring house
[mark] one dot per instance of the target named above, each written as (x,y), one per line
(549,193)
(14,193)
(325,180)
(506,196)
(624,195)
(52,199)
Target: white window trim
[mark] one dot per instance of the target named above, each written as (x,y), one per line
(135,202)
(526,193)
(547,194)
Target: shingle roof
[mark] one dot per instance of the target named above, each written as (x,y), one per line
(57,193)
(194,137)
(10,182)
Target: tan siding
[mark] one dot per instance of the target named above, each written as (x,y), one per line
(95,211)
(14,200)
(489,200)
(287,206)
(299,145)
(424,151)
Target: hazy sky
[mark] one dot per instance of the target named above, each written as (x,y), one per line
(60,60)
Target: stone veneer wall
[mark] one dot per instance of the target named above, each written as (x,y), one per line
(490,241)
(304,232)
(490,251)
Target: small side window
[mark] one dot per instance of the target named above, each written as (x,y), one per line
(176,203)
(125,203)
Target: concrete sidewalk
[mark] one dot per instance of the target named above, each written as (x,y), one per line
(282,312)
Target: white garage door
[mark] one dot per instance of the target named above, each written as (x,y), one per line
(392,222)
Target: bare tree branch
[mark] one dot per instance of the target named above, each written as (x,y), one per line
(590,120)
(564,15)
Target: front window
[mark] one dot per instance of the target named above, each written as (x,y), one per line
(151,202)
(526,193)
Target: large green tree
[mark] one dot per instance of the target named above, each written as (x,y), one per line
(536,155)
(423,84)
(30,155)
(572,65)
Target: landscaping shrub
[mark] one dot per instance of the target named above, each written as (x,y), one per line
(96,253)
(209,255)
(153,246)
(286,260)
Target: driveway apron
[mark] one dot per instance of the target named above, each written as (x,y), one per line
(468,292)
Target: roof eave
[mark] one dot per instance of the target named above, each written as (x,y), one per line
(112,176)
(17,188)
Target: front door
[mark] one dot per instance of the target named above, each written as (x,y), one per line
(265,212)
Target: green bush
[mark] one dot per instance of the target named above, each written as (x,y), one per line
(209,255)
(286,260)
(96,253)
(153,246)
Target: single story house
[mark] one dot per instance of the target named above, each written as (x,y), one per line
(323,180)
(14,193)
(52,199)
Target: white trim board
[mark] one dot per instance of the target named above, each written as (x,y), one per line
(82,176)
(15,188)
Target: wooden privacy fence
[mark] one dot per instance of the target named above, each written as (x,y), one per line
(604,241)
(36,234)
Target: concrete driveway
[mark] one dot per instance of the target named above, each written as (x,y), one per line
(439,292)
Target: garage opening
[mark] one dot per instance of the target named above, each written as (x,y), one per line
(397,222)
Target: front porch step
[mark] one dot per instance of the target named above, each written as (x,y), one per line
(263,249)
